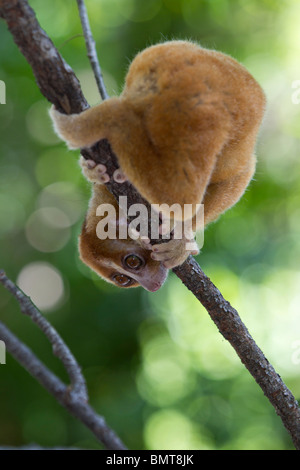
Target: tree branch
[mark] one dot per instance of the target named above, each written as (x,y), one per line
(73,398)
(91,49)
(233,329)
(59,347)
(59,85)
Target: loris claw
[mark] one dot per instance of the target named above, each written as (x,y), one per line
(184,131)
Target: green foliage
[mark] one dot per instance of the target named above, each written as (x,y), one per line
(155,364)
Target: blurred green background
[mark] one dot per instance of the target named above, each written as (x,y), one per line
(155,364)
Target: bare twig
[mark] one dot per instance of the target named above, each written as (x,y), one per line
(91,48)
(17,13)
(59,347)
(73,400)
(234,330)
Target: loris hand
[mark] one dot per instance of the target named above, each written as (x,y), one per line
(174,252)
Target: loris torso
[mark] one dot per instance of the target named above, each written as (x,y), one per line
(184,131)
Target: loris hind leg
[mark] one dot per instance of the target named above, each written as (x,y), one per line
(222,195)
(218,198)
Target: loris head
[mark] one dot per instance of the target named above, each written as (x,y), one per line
(124,263)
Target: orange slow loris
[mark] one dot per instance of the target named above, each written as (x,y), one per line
(184,131)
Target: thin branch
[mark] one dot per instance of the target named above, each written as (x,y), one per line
(30,39)
(59,347)
(91,48)
(74,402)
(233,329)
(70,39)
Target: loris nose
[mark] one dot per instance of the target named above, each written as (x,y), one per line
(152,286)
(153,277)
(155,287)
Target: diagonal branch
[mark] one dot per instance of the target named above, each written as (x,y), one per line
(73,398)
(91,48)
(59,347)
(62,89)
(233,329)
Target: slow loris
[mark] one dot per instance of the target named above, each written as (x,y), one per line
(184,131)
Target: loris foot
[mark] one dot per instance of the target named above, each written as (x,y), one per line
(96,173)
(174,252)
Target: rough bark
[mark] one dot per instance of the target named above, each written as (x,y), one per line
(59,85)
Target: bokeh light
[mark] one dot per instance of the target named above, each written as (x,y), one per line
(43,284)
(47,229)
(54,165)
(170,429)
(37,120)
(156,366)
(166,375)
(66,197)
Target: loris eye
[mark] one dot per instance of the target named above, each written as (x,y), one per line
(122,280)
(133,262)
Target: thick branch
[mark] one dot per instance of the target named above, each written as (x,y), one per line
(62,89)
(54,77)
(57,81)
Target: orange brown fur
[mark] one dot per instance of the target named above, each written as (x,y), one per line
(105,257)
(184,128)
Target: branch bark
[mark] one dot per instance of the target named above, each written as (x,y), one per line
(59,85)
(73,398)
(60,349)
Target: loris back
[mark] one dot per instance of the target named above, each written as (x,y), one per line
(183,129)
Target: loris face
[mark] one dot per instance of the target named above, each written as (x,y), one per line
(123,263)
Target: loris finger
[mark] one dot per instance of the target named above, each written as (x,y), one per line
(191,245)
(163,247)
(119,176)
(163,256)
(97,173)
